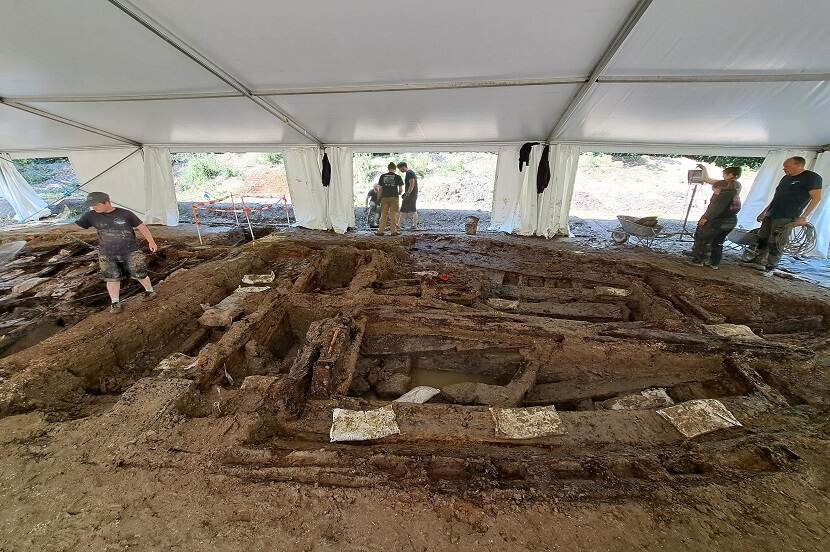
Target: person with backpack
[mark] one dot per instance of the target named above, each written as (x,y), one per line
(720,218)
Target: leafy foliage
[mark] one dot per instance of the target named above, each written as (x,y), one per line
(271,158)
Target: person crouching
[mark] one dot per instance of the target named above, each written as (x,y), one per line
(720,218)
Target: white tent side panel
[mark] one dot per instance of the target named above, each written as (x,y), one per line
(820,218)
(24,200)
(161,204)
(303,169)
(340,192)
(124,182)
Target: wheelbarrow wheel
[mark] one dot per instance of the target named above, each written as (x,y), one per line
(748,255)
(620,236)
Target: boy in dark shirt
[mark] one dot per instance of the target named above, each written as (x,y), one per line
(796,197)
(372,207)
(118,252)
(389,188)
(719,219)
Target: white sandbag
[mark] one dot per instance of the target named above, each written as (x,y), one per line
(251,279)
(644,400)
(418,395)
(527,423)
(363,425)
(697,417)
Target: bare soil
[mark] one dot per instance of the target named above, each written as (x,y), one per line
(148,430)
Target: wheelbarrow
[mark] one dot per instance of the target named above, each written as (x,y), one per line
(746,241)
(644,234)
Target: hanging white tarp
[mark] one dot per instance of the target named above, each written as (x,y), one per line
(161,205)
(515,201)
(26,203)
(518,208)
(767,179)
(555,202)
(340,191)
(303,169)
(820,218)
(141,181)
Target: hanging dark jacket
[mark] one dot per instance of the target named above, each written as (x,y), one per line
(326,174)
(543,174)
(524,154)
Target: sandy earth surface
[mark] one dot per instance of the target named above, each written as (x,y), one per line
(102,451)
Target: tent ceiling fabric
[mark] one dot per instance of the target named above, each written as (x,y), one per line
(22,130)
(214,120)
(711,113)
(70,48)
(301,43)
(80,47)
(736,36)
(466,115)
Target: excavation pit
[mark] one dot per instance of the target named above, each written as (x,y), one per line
(356,323)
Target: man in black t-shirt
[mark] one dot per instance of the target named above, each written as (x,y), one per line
(796,197)
(119,255)
(389,188)
(410,195)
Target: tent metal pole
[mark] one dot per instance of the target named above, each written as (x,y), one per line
(168,36)
(411,86)
(68,122)
(747,78)
(437,85)
(628,26)
(128,97)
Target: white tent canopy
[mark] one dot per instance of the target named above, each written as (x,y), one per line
(259,73)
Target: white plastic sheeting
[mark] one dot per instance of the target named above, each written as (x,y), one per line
(517,208)
(555,202)
(141,181)
(303,168)
(26,203)
(820,218)
(767,179)
(340,192)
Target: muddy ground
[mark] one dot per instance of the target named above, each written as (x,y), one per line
(173,427)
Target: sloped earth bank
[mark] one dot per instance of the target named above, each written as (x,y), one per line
(152,431)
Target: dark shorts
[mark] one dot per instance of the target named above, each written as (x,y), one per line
(408,205)
(116,268)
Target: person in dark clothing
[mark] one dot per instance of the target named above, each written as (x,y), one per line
(720,218)
(389,191)
(119,255)
(410,196)
(796,197)
(372,208)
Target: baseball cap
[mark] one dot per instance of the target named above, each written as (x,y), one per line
(94,198)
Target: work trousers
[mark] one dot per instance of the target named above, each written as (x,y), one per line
(389,207)
(768,236)
(709,240)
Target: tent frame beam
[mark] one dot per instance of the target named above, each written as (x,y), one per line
(169,37)
(68,122)
(616,43)
(442,85)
